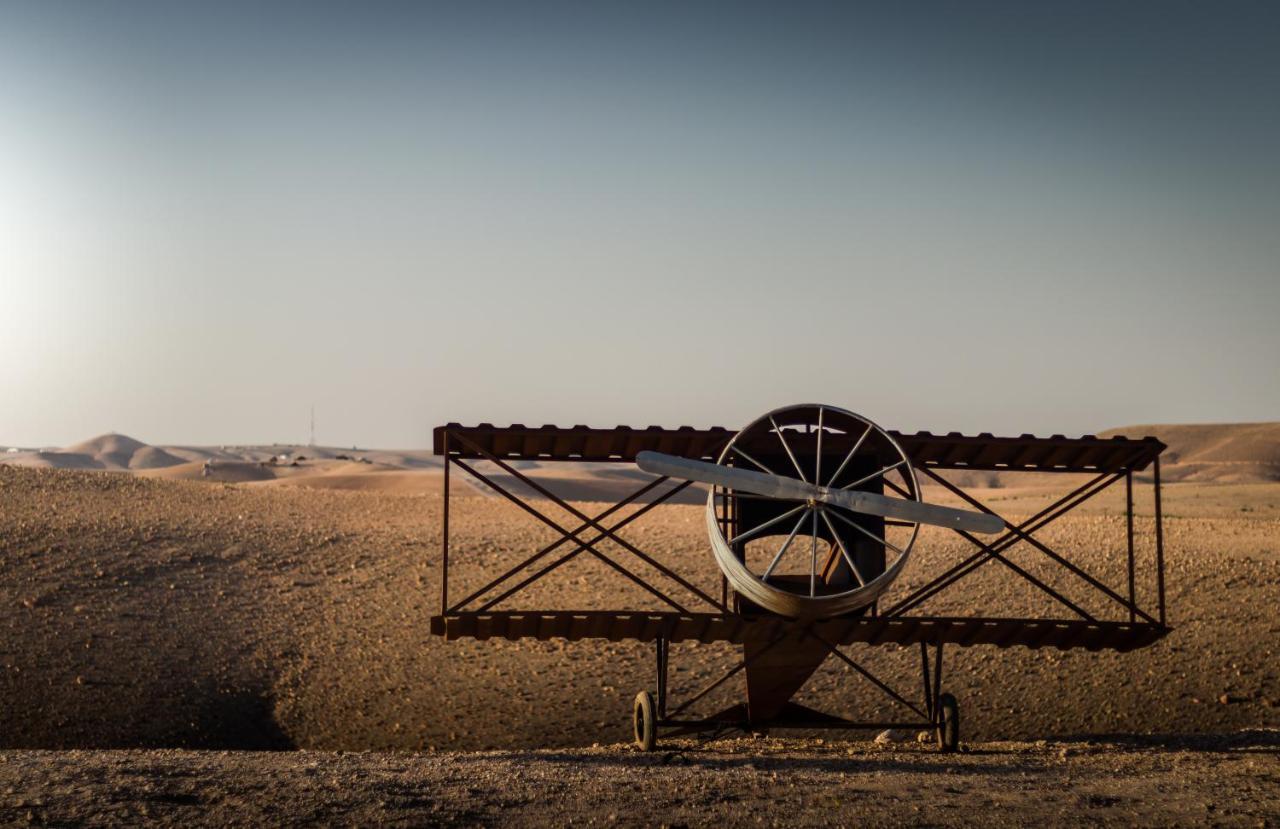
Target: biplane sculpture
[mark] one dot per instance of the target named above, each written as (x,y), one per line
(812,513)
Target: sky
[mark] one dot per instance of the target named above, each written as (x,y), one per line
(1003,217)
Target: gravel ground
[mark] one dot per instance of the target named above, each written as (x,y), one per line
(1186,781)
(145,618)
(140,613)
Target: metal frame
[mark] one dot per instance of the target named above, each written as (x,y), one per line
(1024,533)
(570,536)
(1140,627)
(928,716)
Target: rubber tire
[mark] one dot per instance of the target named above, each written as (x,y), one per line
(949,723)
(643,723)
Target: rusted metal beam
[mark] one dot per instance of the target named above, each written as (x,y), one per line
(1159,541)
(648,626)
(444,535)
(924,673)
(621,444)
(936,714)
(1128,514)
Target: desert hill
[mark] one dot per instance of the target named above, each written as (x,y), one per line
(111,452)
(1238,453)
(1222,452)
(220,471)
(116,448)
(1209,453)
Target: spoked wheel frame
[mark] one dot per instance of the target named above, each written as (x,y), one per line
(802,522)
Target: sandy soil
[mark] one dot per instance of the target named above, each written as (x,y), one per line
(1225,781)
(183,614)
(159,616)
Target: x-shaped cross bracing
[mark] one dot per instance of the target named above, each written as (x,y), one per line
(1014,534)
(572,536)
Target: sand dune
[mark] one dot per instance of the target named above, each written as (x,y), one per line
(376,479)
(110,452)
(109,444)
(53,460)
(152,457)
(315,474)
(231,472)
(408,459)
(204,453)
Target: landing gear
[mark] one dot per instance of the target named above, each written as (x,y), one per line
(939,714)
(948,723)
(643,722)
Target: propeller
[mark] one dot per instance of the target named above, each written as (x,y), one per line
(790,489)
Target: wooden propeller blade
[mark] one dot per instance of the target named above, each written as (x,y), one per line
(790,489)
(917,512)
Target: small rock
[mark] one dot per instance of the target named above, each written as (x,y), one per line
(924,737)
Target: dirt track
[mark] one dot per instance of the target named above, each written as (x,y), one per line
(1226,781)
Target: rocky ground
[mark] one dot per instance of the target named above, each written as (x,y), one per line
(183,614)
(187,615)
(1220,781)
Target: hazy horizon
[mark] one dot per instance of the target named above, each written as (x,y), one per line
(992,217)
(426,444)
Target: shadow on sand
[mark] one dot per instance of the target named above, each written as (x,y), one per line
(1264,741)
(1249,740)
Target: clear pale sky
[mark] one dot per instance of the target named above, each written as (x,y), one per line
(953,216)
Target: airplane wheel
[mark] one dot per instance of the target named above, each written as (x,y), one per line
(642,722)
(948,723)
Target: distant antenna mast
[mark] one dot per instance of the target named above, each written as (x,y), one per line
(313,425)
